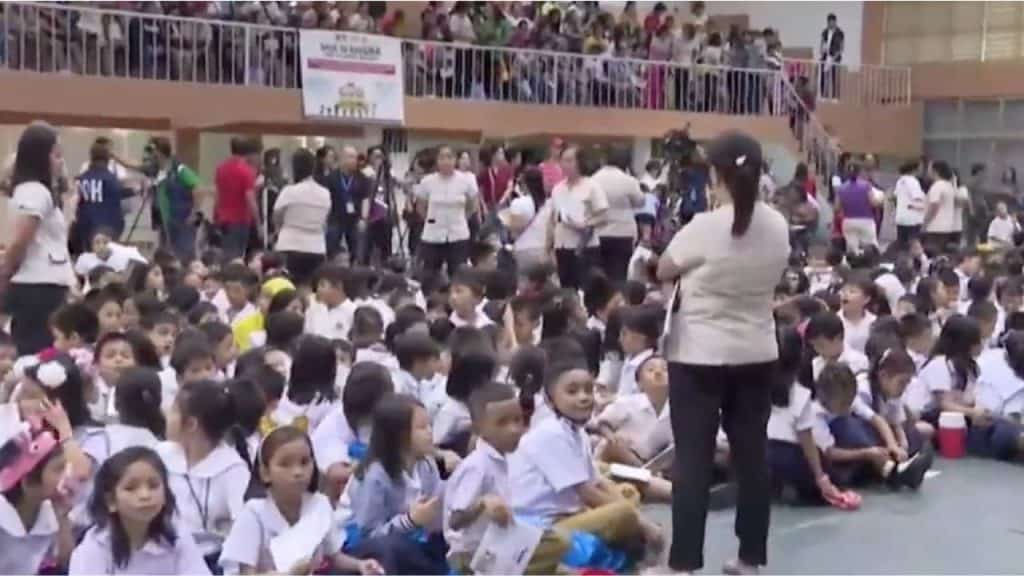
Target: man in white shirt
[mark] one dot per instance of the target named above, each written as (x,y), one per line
(1003,228)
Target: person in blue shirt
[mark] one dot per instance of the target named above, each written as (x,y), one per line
(100,196)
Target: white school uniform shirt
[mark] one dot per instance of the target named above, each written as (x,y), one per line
(210,495)
(260,522)
(480,320)
(484,472)
(314,412)
(541,409)
(1001,230)
(554,458)
(911,201)
(446,198)
(387,315)
(964,281)
(331,323)
(116,261)
(855,334)
(598,325)
(786,421)
(378,354)
(232,318)
(117,437)
(46,259)
(94,555)
(647,431)
(891,409)
(431,393)
(24,549)
(332,438)
(1000,390)
(856,361)
(627,378)
(452,418)
(820,431)
(936,376)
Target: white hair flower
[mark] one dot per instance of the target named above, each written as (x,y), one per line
(23,364)
(52,375)
(741,160)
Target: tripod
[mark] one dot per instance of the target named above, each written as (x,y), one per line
(147,192)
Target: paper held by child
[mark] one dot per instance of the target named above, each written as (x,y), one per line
(300,542)
(506,550)
(623,472)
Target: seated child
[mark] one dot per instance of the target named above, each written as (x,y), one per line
(856,295)
(286,468)
(552,474)
(478,492)
(311,394)
(641,328)
(465,296)
(330,312)
(397,493)
(825,336)
(418,357)
(1001,396)
(948,379)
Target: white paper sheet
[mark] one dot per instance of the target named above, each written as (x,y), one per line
(300,542)
(506,550)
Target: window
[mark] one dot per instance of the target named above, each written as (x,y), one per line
(940,31)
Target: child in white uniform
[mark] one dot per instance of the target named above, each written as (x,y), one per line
(207,477)
(292,503)
(947,380)
(1001,395)
(641,328)
(311,394)
(140,421)
(131,493)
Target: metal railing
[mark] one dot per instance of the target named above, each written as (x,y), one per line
(816,145)
(866,85)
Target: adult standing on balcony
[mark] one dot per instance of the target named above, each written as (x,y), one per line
(36,273)
(460,23)
(722,352)
(832,46)
(446,199)
(237,212)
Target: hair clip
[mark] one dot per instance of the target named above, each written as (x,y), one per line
(51,375)
(741,160)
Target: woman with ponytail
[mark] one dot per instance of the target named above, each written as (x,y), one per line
(722,350)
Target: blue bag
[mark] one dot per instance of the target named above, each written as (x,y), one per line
(589,551)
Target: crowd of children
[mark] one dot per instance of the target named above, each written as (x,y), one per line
(216,417)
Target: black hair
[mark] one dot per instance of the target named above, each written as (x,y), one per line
(470,279)
(212,405)
(284,329)
(405,317)
(95,276)
(788,366)
(281,301)
(808,306)
(368,383)
(303,164)
(533,182)
(392,430)
(742,182)
(634,292)
(248,404)
(182,298)
(823,325)
(959,335)
(1015,321)
(150,321)
(942,169)
(271,382)
(471,367)
(367,327)
(32,159)
(137,397)
(1013,343)
(887,325)
(281,436)
(77,318)
(979,288)
(161,528)
(199,311)
(215,332)
(489,393)
(189,350)
(597,293)
(238,273)
(138,275)
(410,348)
(983,311)
(925,288)
(145,352)
(314,367)
(886,353)
(108,338)
(70,394)
(646,320)
(836,382)
(526,370)
(913,325)
(333,274)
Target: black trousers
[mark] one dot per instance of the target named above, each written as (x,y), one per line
(573,267)
(302,265)
(697,396)
(450,254)
(615,254)
(30,307)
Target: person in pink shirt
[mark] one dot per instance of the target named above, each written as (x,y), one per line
(551,168)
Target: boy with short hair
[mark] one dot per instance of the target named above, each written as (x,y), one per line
(525,320)
(600,298)
(986,314)
(918,335)
(193,360)
(238,286)
(162,329)
(330,313)
(74,327)
(855,296)
(1003,228)
(418,357)
(478,492)
(466,293)
(968,265)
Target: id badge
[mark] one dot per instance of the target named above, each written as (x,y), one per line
(350,208)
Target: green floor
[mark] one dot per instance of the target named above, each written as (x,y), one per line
(969,519)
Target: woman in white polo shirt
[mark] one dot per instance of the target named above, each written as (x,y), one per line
(300,215)
(36,272)
(579,208)
(447,199)
(943,220)
(911,202)
(722,350)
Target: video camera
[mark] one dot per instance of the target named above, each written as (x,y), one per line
(678,146)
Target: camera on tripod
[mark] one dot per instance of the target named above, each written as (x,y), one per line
(678,147)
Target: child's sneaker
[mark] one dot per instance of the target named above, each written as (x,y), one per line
(911,472)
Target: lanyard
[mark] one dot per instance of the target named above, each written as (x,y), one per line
(204,508)
(346,182)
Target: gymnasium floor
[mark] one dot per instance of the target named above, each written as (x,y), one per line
(967,519)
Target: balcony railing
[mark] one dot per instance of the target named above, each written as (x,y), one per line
(108,43)
(866,85)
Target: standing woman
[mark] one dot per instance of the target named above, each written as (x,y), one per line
(300,215)
(36,271)
(942,221)
(527,218)
(447,199)
(722,351)
(579,208)
(618,234)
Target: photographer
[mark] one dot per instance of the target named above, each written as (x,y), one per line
(176,186)
(687,174)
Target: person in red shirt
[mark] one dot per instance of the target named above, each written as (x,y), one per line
(653,20)
(237,211)
(493,179)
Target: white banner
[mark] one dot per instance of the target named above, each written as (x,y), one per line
(352,77)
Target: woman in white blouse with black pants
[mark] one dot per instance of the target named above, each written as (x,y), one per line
(618,233)
(36,273)
(722,352)
(447,199)
(579,208)
(911,202)
(300,214)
